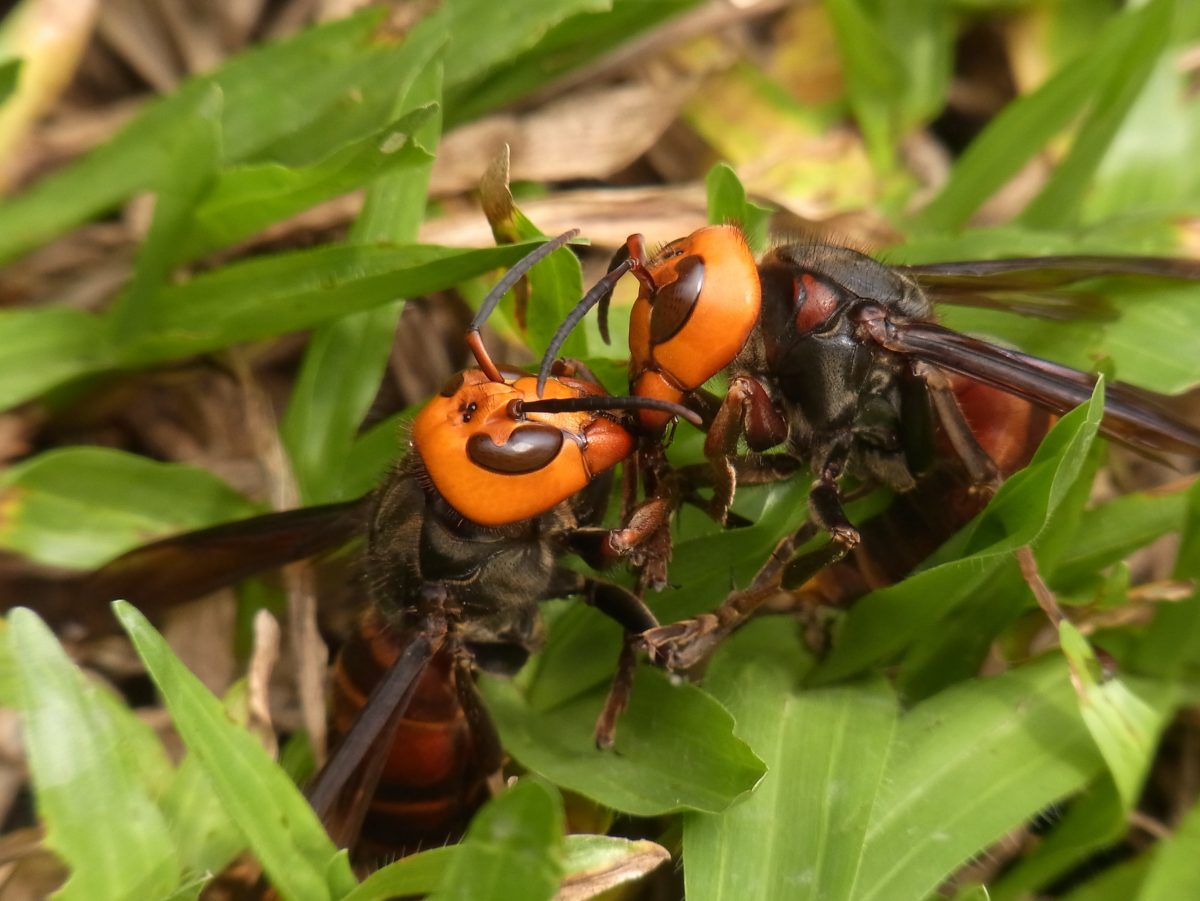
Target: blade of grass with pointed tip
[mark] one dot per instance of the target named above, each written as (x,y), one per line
(1124,715)
(583,855)
(1021,130)
(268,296)
(876,79)
(277,821)
(97,810)
(248,198)
(513,848)
(727,202)
(595,864)
(256,298)
(707,769)
(885,622)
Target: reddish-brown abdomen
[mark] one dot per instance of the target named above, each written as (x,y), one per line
(433,779)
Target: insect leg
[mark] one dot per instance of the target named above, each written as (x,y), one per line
(825,505)
(747,410)
(980,466)
(618,693)
(682,645)
(635,617)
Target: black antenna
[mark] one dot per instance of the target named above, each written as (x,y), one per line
(517,272)
(604,402)
(601,292)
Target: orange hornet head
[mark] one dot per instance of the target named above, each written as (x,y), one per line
(699,301)
(497,464)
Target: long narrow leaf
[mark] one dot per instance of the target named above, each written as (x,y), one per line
(98,812)
(276,820)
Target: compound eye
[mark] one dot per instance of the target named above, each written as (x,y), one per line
(815,302)
(529,448)
(673,304)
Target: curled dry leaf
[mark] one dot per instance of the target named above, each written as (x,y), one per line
(597,869)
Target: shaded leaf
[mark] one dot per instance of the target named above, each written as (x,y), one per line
(707,769)
(513,848)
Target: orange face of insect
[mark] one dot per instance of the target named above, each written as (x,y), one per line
(496,465)
(699,301)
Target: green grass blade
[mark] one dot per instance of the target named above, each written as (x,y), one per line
(98,812)
(1173,873)
(967,766)
(195,146)
(269,92)
(43,348)
(248,198)
(1145,36)
(1124,715)
(278,823)
(81,506)
(887,621)
(274,295)
(1018,132)
(486,35)
(346,359)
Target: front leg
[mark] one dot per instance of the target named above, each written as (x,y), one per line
(682,645)
(635,618)
(747,411)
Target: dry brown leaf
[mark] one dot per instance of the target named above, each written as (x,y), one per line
(135,30)
(643,857)
(589,134)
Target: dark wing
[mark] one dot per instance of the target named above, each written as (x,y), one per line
(341,792)
(192,564)
(1047,287)
(1131,415)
